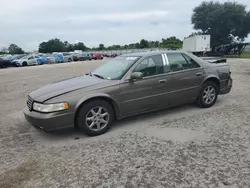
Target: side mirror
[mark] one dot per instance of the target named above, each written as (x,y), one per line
(136,76)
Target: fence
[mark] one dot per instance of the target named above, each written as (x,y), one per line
(127,51)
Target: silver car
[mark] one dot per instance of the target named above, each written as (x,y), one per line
(68,57)
(26,61)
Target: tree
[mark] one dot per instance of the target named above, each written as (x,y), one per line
(79,46)
(171,42)
(14,49)
(53,45)
(101,47)
(4,50)
(144,44)
(223,21)
(196,33)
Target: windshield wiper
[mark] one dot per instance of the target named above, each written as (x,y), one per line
(99,76)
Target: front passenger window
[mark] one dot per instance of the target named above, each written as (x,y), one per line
(150,66)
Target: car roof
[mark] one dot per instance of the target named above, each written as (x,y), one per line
(146,54)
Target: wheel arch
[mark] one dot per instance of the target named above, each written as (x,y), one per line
(104,97)
(213,79)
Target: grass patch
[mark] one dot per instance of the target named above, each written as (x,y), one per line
(247,56)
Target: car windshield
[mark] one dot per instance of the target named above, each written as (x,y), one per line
(24,57)
(114,69)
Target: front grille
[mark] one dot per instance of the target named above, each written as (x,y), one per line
(29,103)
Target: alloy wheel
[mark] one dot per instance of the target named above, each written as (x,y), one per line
(97,118)
(209,94)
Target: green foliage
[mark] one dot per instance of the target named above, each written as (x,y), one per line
(56,45)
(79,46)
(172,43)
(223,21)
(101,47)
(14,49)
(4,50)
(53,45)
(144,44)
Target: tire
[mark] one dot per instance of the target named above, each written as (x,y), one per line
(25,64)
(85,112)
(69,60)
(205,101)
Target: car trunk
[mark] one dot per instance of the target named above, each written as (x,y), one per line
(215,60)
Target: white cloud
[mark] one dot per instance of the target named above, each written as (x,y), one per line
(29,22)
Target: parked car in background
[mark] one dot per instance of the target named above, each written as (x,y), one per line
(97,56)
(128,85)
(67,57)
(25,61)
(50,59)
(82,57)
(41,60)
(9,57)
(76,56)
(4,63)
(113,55)
(54,58)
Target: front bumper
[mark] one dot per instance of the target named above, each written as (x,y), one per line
(49,121)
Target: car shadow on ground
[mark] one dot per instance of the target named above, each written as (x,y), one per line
(130,123)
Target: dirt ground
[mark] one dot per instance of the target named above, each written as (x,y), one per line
(180,147)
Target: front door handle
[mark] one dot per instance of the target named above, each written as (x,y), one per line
(162,81)
(199,74)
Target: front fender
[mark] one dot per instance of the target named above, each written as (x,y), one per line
(115,104)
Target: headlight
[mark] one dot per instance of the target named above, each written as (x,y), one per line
(50,107)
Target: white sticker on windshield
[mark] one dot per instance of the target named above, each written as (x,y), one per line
(131,58)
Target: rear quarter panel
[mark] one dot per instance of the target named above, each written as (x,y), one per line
(220,71)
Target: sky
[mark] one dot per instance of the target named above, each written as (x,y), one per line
(27,23)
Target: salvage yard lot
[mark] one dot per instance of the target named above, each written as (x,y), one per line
(180,147)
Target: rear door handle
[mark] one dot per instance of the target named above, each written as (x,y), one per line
(199,74)
(162,81)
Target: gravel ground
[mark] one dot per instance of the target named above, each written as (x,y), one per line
(180,147)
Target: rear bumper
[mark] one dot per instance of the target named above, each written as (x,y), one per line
(228,88)
(49,121)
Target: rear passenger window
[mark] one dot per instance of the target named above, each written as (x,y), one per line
(177,62)
(192,63)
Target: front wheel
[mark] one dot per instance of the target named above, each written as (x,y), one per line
(69,60)
(208,94)
(95,117)
(25,64)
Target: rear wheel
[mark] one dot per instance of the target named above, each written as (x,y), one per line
(208,94)
(69,60)
(95,117)
(25,64)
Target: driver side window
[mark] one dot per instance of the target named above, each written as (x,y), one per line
(30,58)
(150,66)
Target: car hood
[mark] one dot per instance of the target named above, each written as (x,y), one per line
(65,86)
(19,60)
